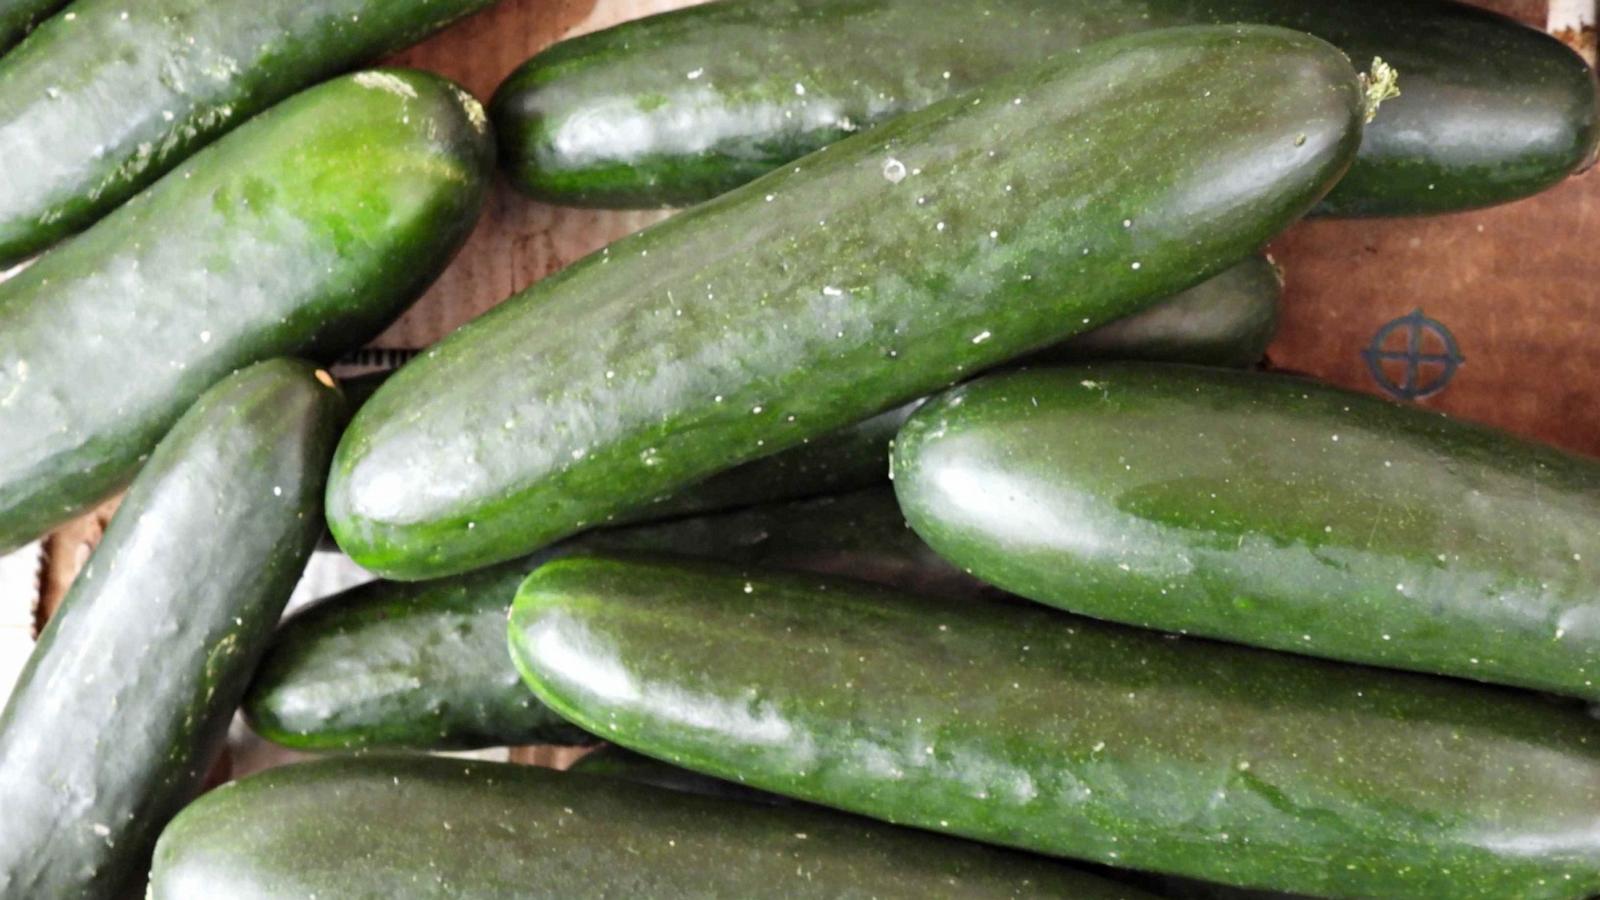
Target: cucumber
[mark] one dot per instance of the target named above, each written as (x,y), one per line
(427,827)
(882,268)
(677,108)
(1268,510)
(1226,321)
(616,762)
(17,18)
(1023,726)
(128,694)
(402,666)
(105,98)
(853,458)
(424,666)
(304,232)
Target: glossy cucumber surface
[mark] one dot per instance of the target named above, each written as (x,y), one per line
(424,665)
(1225,321)
(1271,511)
(420,827)
(876,271)
(412,666)
(616,762)
(612,761)
(677,108)
(1026,727)
(1228,320)
(128,694)
(17,18)
(106,97)
(304,232)
(855,457)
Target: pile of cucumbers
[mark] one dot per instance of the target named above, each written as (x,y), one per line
(909,516)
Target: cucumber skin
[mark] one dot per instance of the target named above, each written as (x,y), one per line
(17,18)
(417,666)
(1025,727)
(380,827)
(96,107)
(1225,321)
(1268,510)
(853,458)
(423,666)
(598,120)
(617,762)
(305,232)
(128,694)
(612,761)
(528,439)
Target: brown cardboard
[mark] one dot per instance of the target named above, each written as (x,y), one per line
(1518,287)
(65,551)
(549,757)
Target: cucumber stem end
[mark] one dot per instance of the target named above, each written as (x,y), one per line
(1379,84)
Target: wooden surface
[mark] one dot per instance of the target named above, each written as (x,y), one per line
(1517,285)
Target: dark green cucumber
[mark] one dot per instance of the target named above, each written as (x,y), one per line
(127,697)
(423,666)
(404,666)
(1023,726)
(420,827)
(677,108)
(849,459)
(617,762)
(304,232)
(17,18)
(108,96)
(1268,510)
(878,270)
(1226,321)
(852,458)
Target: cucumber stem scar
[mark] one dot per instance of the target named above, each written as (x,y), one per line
(1381,83)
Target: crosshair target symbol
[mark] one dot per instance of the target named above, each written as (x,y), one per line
(1413,357)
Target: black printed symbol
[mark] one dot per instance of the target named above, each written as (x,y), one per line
(1413,357)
